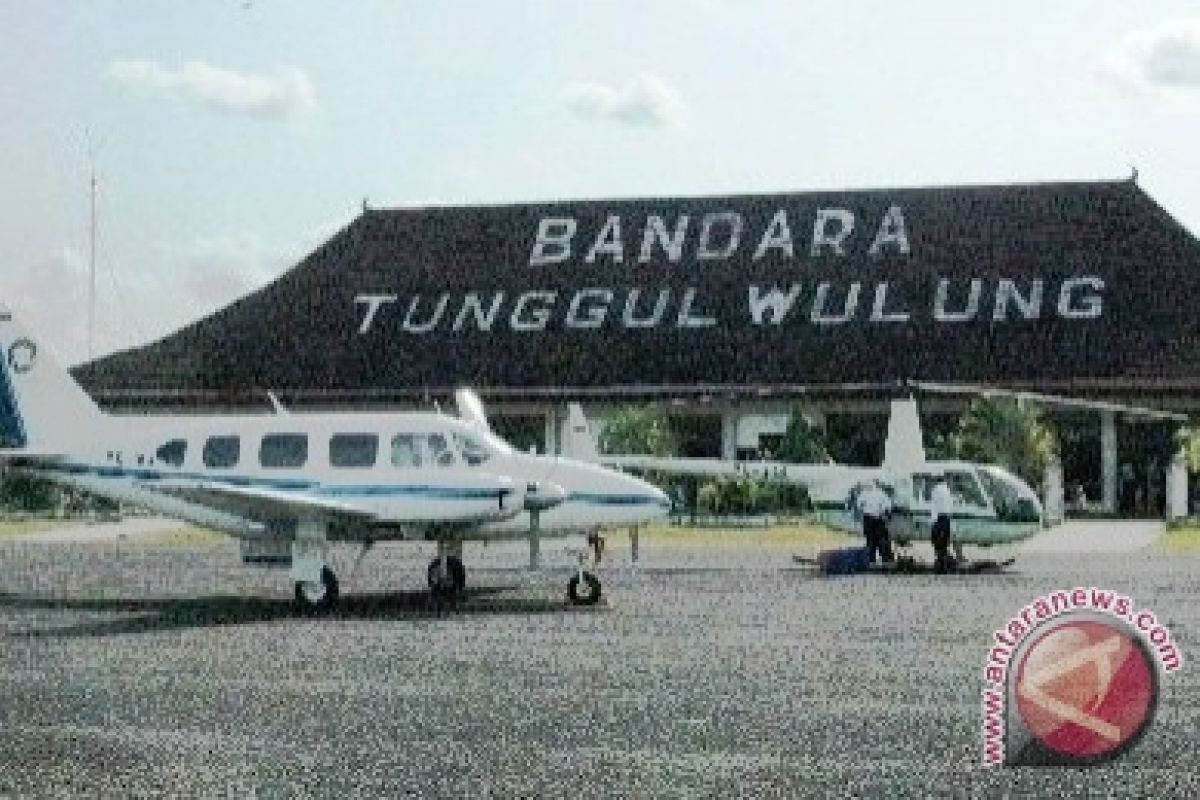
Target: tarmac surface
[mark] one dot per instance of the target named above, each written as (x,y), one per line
(143,668)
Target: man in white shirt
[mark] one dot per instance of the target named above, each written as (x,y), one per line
(942,502)
(875,505)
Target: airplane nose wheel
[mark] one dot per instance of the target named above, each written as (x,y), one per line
(448,581)
(583,589)
(322,596)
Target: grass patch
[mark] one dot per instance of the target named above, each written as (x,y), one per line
(191,536)
(1180,540)
(783,535)
(19,527)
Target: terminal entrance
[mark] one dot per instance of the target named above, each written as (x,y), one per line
(1144,449)
(1079,450)
(1144,452)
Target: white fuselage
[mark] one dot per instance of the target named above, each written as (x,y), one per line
(410,475)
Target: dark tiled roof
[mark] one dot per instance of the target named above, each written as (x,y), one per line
(300,336)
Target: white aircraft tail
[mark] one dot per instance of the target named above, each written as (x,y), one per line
(579,443)
(905,448)
(43,411)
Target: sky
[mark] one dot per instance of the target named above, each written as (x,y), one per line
(229,138)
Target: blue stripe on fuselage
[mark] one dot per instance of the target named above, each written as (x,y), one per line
(591,498)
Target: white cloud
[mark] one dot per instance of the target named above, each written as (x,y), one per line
(170,285)
(285,93)
(1163,58)
(647,101)
(49,299)
(213,271)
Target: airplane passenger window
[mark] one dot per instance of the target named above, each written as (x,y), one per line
(472,451)
(170,453)
(405,451)
(283,450)
(439,451)
(221,452)
(353,449)
(923,487)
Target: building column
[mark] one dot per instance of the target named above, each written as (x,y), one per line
(729,426)
(552,433)
(1052,504)
(1177,487)
(1108,461)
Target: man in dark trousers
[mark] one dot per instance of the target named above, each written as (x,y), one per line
(875,506)
(942,502)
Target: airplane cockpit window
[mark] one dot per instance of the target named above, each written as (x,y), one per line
(965,489)
(473,452)
(353,449)
(1013,499)
(283,450)
(171,453)
(406,451)
(222,452)
(439,450)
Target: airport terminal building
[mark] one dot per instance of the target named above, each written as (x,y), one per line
(727,310)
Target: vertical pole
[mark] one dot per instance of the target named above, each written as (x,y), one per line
(1108,460)
(535,554)
(91,331)
(633,542)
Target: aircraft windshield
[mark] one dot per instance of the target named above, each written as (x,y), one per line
(487,442)
(1012,498)
(473,452)
(964,488)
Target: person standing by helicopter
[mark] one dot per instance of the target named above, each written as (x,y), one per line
(942,502)
(875,506)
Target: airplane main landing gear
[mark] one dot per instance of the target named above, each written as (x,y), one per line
(584,587)
(447,575)
(318,595)
(316,585)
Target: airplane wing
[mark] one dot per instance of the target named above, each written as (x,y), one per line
(254,500)
(257,502)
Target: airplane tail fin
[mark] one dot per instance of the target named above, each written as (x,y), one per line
(579,443)
(43,411)
(904,450)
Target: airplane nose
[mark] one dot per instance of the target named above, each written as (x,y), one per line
(654,496)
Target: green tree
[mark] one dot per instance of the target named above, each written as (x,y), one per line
(640,431)
(1187,439)
(1003,431)
(26,493)
(803,442)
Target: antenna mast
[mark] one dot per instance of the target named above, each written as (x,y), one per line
(91,331)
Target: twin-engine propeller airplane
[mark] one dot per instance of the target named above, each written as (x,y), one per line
(991,505)
(287,485)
